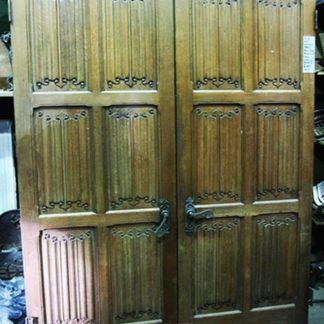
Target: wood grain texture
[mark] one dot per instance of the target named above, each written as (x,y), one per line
(129,60)
(217,153)
(68,262)
(64,163)
(277,39)
(278,129)
(217,55)
(133,156)
(58,44)
(274,259)
(216,263)
(135,257)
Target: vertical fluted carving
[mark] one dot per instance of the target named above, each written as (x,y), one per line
(135,257)
(68,275)
(217,260)
(216,41)
(131,58)
(277,39)
(58,31)
(62,142)
(277,151)
(217,155)
(133,152)
(274,244)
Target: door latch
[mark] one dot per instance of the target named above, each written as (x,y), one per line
(192,216)
(163,228)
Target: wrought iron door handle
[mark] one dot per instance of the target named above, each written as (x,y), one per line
(192,216)
(163,228)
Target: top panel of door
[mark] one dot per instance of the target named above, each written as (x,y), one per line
(63,52)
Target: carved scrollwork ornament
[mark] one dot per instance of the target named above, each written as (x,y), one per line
(134,232)
(279,3)
(136,315)
(218,2)
(130,114)
(60,83)
(279,82)
(218,82)
(218,226)
(277,192)
(133,201)
(217,196)
(63,116)
(218,113)
(64,205)
(276,221)
(131,82)
(127,1)
(216,306)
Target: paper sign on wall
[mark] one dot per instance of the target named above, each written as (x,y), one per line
(309,54)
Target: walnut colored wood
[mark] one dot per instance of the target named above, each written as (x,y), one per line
(122,103)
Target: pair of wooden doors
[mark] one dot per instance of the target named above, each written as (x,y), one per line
(165,159)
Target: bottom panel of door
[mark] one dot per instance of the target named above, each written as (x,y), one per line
(73,287)
(244,269)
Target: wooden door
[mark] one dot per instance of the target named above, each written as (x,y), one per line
(108,221)
(95,121)
(244,155)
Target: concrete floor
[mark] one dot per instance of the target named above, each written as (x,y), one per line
(316,312)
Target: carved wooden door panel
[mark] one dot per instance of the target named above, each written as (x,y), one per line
(245,159)
(95,120)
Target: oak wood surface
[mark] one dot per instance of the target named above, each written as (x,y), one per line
(121,103)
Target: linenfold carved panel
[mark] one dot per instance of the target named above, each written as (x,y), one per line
(63,162)
(132,148)
(59,44)
(217,153)
(274,243)
(277,39)
(135,279)
(216,41)
(277,151)
(131,58)
(68,275)
(217,262)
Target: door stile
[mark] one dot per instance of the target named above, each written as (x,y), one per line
(30,241)
(306,172)
(168,158)
(184,101)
